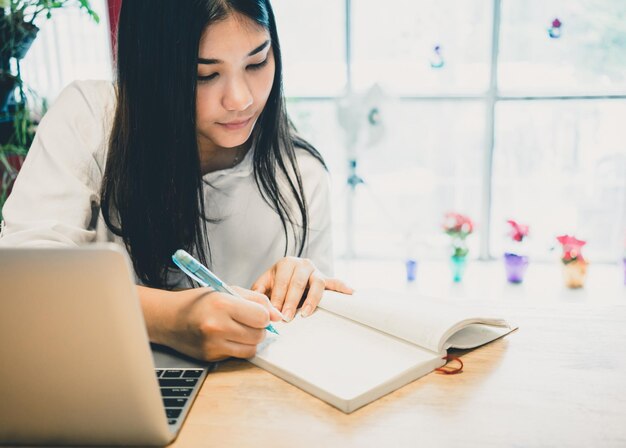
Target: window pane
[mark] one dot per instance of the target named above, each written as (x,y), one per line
(589,56)
(560,166)
(312,39)
(394,45)
(428,161)
(69,46)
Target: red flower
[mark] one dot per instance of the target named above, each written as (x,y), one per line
(572,248)
(518,231)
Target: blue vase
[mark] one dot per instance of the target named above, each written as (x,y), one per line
(515,266)
(411,270)
(458,264)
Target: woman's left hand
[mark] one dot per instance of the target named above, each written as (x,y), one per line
(286,281)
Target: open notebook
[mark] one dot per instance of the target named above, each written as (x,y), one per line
(355,349)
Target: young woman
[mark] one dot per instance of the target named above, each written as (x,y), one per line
(190,148)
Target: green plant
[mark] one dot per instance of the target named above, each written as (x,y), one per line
(17,23)
(14,149)
(28,10)
(8,155)
(17,124)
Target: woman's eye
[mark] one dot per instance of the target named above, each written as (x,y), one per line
(207,77)
(258,66)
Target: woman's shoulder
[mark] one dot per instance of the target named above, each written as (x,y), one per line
(79,120)
(84,106)
(309,160)
(96,97)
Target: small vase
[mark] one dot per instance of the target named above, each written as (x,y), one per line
(8,83)
(575,273)
(458,264)
(515,266)
(24,37)
(411,270)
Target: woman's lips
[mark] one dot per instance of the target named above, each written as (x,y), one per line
(234,125)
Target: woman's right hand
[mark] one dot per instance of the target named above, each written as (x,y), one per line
(210,325)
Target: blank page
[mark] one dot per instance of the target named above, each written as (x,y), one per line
(341,361)
(423,321)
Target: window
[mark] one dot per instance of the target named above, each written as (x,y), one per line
(561,166)
(523,125)
(395,45)
(313,46)
(589,57)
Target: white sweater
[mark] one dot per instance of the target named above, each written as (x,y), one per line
(55,199)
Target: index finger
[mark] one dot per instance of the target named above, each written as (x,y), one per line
(261,299)
(282,276)
(297,285)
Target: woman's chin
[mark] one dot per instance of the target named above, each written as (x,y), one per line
(233,141)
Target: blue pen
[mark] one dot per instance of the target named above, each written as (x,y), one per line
(200,273)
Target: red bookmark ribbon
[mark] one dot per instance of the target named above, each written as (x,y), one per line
(450,370)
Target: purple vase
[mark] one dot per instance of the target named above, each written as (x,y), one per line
(515,267)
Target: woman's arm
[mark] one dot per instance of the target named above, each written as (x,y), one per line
(56,192)
(205,324)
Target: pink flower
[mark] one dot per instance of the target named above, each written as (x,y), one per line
(518,231)
(456,224)
(556,23)
(572,248)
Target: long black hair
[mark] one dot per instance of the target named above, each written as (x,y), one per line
(152,191)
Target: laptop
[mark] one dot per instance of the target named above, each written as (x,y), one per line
(76,365)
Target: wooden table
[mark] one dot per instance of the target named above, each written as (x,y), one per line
(560,380)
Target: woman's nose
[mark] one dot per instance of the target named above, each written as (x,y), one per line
(237,96)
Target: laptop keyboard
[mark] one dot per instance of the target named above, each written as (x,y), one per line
(176,388)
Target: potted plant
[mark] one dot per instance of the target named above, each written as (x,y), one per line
(458,227)
(13,151)
(17,22)
(515,261)
(574,264)
(17,127)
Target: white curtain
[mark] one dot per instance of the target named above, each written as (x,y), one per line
(68,47)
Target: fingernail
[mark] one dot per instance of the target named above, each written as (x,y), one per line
(287,315)
(306,311)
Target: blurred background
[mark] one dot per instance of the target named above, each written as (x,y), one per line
(495,109)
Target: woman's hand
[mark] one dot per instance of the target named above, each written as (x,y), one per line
(208,325)
(285,283)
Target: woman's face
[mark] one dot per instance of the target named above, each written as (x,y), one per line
(235,76)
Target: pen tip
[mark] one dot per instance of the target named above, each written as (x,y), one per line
(273,330)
